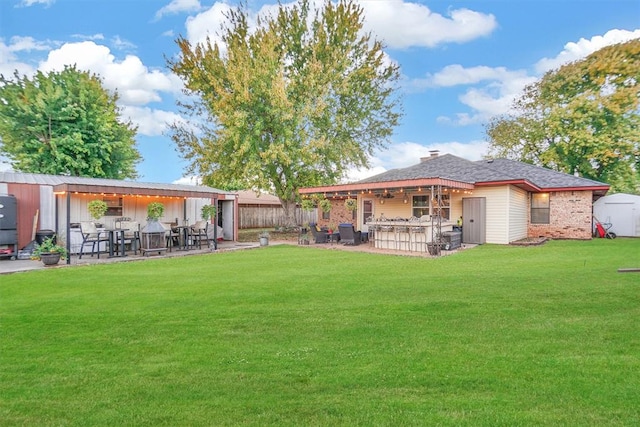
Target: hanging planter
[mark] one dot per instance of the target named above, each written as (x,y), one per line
(97,208)
(351,204)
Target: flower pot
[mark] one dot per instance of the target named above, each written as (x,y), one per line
(264,241)
(50,258)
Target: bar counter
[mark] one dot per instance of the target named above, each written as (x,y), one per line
(404,235)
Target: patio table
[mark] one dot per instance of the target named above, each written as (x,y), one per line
(113,240)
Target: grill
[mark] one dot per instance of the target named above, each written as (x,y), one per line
(8,226)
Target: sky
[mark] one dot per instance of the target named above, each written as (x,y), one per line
(461,62)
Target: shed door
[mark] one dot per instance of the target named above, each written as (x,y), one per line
(473,220)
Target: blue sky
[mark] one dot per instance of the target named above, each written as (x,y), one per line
(461,61)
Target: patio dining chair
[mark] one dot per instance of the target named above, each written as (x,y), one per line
(199,234)
(91,235)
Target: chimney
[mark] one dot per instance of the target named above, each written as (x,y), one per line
(433,153)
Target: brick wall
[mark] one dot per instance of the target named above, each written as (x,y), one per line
(570,216)
(338,215)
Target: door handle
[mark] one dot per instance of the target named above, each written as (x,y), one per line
(470,220)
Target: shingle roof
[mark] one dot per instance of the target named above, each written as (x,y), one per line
(455,168)
(541,177)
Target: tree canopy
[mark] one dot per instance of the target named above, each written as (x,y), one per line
(581,118)
(294,102)
(65,123)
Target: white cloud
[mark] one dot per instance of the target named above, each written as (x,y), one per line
(150,122)
(135,83)
(206,24)
(188,180)
(97,36)
(491,92)
(9,61)
(178,6)
(400,24)
(28,3)
(405,24)
(404,154)
(574,51)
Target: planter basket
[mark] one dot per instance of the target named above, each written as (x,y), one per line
(50,259)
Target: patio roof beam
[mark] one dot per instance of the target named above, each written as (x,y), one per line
(107,190)
(405,185)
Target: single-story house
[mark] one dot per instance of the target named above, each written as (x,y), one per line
(620,210)
(61,203)
(496,201)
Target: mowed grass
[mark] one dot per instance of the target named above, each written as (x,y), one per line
(300,336)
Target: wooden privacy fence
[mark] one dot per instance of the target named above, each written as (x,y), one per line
(271,216)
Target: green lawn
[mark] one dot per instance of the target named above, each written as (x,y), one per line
(299,336)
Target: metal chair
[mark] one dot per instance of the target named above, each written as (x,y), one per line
(90,234)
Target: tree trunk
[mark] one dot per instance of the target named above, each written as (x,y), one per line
(289,212)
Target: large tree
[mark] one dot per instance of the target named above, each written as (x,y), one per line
(581,118)
(65,123)
(294,101)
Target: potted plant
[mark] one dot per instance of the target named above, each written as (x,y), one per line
(325,205)
(154,211)
(207,212)
(97,209)
(351,204)
(49,252)
(264,238)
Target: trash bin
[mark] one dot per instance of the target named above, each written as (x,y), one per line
(41,235)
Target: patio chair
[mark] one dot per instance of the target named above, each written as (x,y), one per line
(171,234)
(131,234)
(199,234)
(90,234)
(349,235)
(318,235)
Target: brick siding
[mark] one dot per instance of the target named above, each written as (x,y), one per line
(570,216)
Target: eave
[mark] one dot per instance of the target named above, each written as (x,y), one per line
(406,184)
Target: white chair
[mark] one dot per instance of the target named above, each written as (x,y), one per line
(90,234)
(131,234)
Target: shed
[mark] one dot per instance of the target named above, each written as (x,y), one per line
(622,211)
(61,203)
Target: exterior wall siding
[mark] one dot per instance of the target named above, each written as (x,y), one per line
(497,213)
(518,214)
(570,216)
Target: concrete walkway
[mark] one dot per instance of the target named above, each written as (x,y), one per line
(14,266)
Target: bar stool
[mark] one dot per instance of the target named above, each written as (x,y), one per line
(382,236)
(416,240)
(401,234)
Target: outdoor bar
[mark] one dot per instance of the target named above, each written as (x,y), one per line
(412,235)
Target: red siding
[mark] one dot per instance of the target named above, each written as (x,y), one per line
(28,198)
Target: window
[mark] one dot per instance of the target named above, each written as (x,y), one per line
(114,206)
(326,215)
(441,207)
(540,208)
(420,206)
